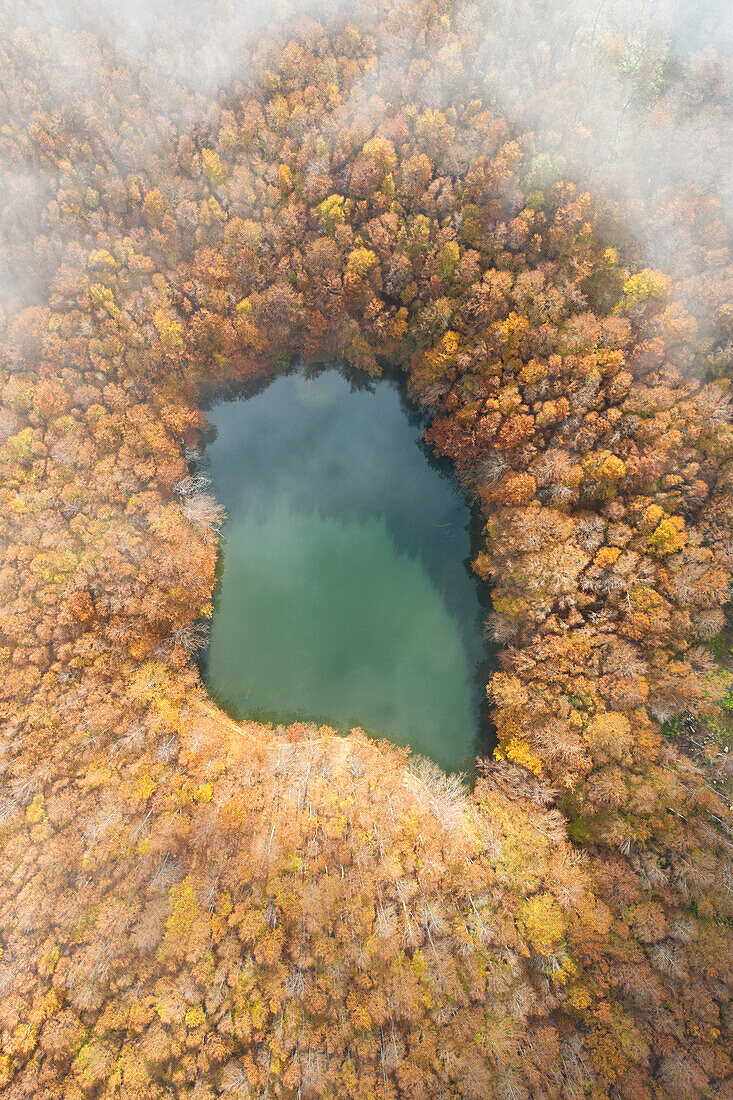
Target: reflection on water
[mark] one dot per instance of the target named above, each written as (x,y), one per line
(344,593)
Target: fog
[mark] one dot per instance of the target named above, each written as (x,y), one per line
(542,54)
(543,64)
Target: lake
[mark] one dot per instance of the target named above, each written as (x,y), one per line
(344,591)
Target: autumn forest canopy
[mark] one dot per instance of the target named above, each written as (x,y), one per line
(525,207)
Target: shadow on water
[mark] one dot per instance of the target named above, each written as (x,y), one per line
(251,436)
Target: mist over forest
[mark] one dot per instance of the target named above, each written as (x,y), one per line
(546,66)
(523,210)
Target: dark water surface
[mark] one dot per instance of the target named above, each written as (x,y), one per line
(345,594)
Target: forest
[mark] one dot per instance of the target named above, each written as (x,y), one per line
(526,207)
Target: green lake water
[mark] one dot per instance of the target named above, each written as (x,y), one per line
(345,594)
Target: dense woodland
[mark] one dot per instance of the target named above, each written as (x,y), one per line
(192,908)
